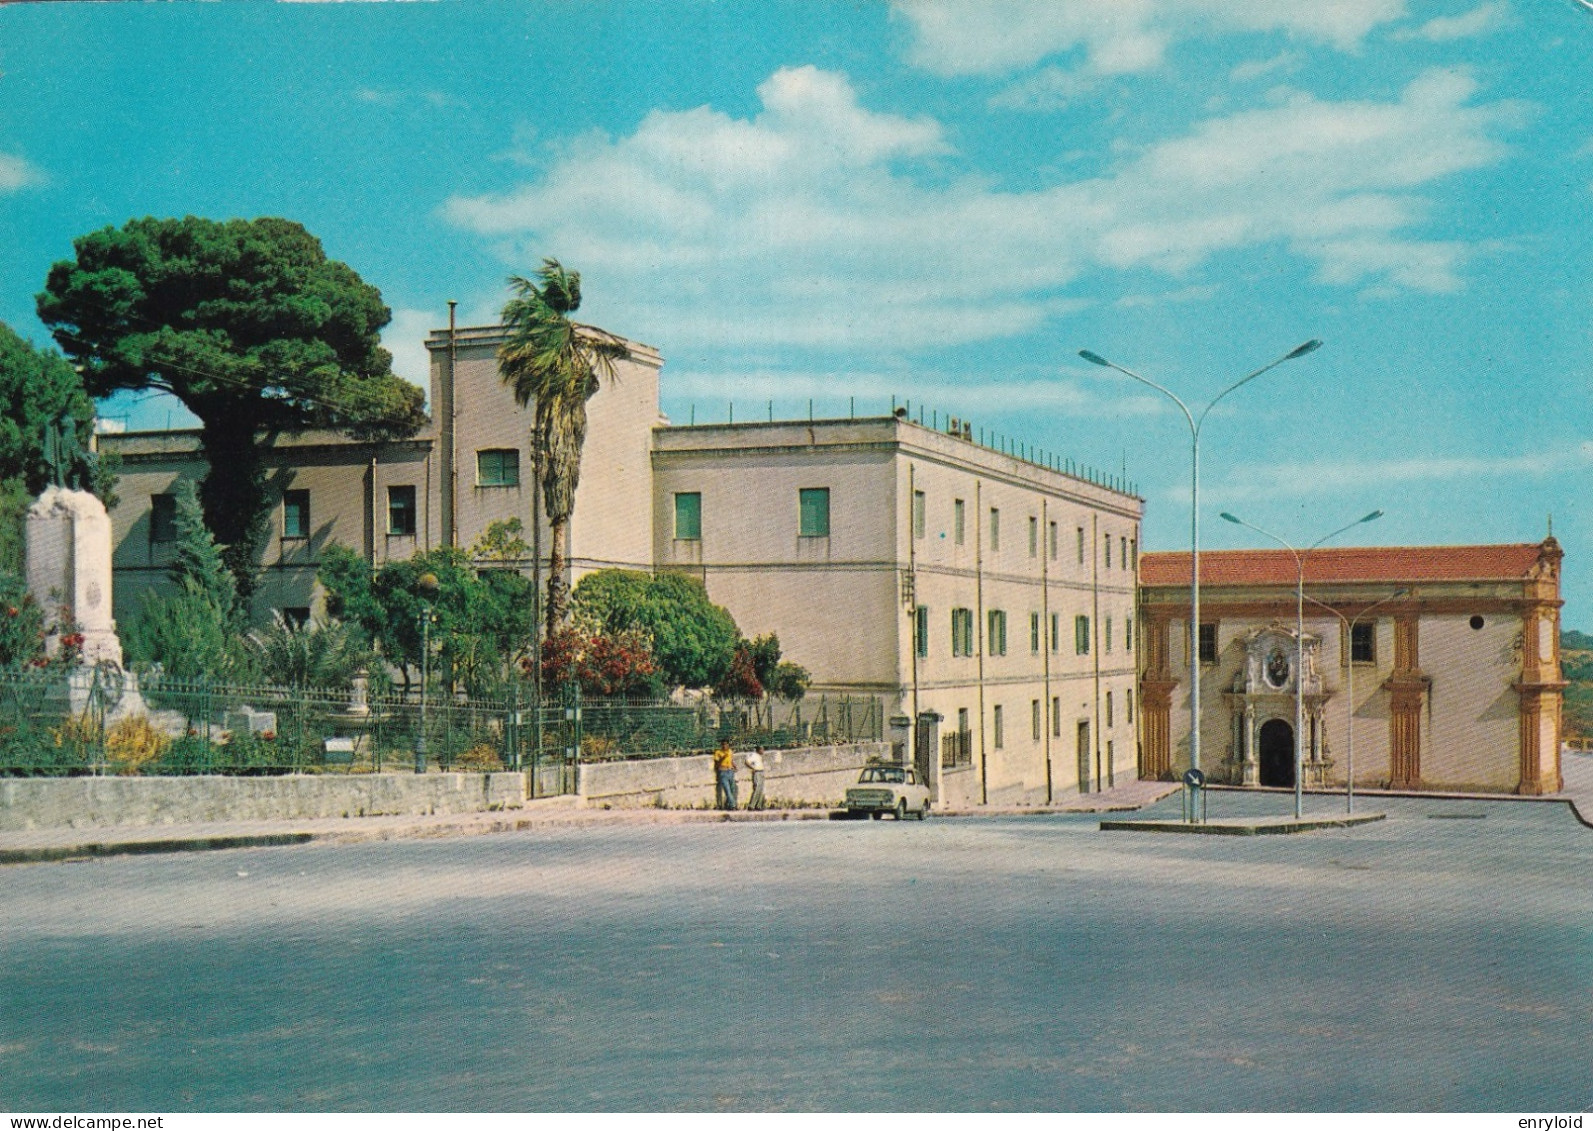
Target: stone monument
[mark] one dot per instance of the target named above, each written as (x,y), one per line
(69,572)
(69,553)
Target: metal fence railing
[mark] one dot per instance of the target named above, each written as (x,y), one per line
(102,721)
(613,729)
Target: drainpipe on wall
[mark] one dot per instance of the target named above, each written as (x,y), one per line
(979,629)
(451,495)
(370,509)
(1095,631)
(912,610)
(1046,720)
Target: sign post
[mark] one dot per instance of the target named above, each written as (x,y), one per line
(1194,796)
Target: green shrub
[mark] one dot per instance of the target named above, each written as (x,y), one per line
(319,653)
(189,754)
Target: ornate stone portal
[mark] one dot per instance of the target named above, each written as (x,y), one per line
(1263,695)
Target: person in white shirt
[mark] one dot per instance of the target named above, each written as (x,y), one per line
(755,764)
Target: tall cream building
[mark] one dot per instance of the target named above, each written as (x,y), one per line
(1443,659)
(984,596)
(984,600)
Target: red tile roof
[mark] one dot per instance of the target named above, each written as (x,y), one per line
(1332,564)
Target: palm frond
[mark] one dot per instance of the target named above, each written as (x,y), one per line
(561,289)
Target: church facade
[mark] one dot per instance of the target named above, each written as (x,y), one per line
(1424,668)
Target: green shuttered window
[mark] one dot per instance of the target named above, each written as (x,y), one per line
(688,516)
(813,518)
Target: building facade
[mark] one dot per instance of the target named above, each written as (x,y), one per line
(1428,667)
(443,487)
(986,600)
(989,599)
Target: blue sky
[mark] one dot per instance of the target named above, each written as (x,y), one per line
(943,202)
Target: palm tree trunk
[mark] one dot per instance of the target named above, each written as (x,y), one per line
(558,586)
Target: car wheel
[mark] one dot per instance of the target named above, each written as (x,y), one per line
(876,814)
(924,812)
(901,809)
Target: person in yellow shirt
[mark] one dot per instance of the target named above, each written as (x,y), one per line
(724,776)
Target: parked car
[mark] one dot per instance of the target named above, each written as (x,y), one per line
(888,789)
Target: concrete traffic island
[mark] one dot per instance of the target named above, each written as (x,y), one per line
(1243,826)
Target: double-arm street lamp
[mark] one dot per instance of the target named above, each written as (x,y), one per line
(1299,633)
(1349,624)
(1195,423)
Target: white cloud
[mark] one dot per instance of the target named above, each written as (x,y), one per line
(1336,181)
(1049,88)
(1443,29)
(1291,480)
(993,37)
(383,96)
(17,174)
(752,392)
(1255,69)
(821,223)
(1199,293)
(405,338)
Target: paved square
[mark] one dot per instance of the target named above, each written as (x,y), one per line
(1441,959)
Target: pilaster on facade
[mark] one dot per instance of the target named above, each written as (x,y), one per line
(1541,688)
(1408,688)
(1156,701)
(1156,687)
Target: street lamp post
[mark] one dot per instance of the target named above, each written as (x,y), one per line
(1349,624)
(1194,514)
(1299,635)
(428,586)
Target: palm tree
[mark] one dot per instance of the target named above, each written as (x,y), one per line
(554,364)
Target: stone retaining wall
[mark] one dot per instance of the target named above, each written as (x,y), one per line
(816,775)
(91,803)
(809,776)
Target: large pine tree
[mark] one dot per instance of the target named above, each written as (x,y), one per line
(251,326)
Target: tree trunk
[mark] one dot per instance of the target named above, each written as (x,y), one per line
(233,496)
(561,432)
(558,587)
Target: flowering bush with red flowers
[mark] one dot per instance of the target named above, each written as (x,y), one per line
(604,665)
(741,681)
(68,636)
(21,626)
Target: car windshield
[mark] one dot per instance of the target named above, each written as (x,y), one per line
(891,774)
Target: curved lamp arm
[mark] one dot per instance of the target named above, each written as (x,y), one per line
(1300,555)
(1097,359)
(1195,422)
(1350,622)
(1298,351)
